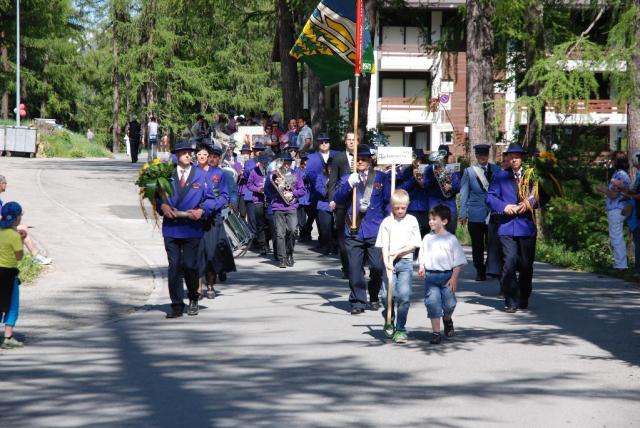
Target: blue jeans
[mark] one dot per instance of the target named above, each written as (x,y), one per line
(402,273)
(438,297)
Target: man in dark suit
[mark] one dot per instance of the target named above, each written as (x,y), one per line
(182,228)
(134,139)
(341,165)
(517,230)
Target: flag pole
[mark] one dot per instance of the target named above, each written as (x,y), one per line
(356,99)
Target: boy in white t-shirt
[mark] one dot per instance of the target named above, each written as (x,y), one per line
(441,258)
(399,236)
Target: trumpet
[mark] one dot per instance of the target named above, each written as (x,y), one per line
(418,170)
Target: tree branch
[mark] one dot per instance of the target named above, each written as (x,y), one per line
(586,32)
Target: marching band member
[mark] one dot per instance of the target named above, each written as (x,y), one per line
(182,235)
(315,166)
(324,211)
(414,185)
(284,188)
(474,209)
(436,194)
(517,229)
(257,209)
(249,197)
(372,199)
(303,201)
(246,163)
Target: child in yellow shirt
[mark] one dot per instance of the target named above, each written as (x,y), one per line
(10,253)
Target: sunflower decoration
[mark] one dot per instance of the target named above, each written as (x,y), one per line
(154,181)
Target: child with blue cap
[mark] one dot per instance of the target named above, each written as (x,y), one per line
(10,253)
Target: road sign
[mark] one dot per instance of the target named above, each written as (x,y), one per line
(395,155)
(444,98)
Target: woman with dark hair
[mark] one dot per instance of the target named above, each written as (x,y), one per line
(616,204)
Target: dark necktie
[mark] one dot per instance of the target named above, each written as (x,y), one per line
(183,179)
(517,175)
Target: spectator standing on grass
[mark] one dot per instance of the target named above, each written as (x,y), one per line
(90,135)
(152,132)
(10,254)
(23,229)
(618,208)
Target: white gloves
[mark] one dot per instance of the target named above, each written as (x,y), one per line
(354,178)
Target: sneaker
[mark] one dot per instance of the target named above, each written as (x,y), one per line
(192,309)
(11,343)
(436,338)
(448,328)
(42,260)
(400,337)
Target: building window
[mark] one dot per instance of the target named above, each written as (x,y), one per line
(446,138)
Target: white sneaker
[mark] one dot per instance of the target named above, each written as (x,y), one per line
(42,260)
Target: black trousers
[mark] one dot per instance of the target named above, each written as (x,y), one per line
(251,216)
(494,250)
(286,224)
(340,215)
(258,213)
(423,221)
(182,254)
(517,270)
(134,147)
(479,241)
(311,212)
(357,251)
(302,216)
(325,230)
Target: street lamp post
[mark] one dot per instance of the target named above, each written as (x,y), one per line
(17,62)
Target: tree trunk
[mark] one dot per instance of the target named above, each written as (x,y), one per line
(533,50)
(291,95)
(4,53)
(116,78)
(480,59)
(316,103)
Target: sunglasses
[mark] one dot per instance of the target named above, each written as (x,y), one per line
(324,142)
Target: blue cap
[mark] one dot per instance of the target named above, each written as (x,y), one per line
(293,147)
(323,137)
(245,148)
(10,212)
(364,151)
(304,156)
(482,148)
(263,158)
(216,150)
(444,147)
(419,153)
(259,146)
(515,148)
(183,145)
(286,157)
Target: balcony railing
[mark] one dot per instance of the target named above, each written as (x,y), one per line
(401,103)
(400,49)
(586,107)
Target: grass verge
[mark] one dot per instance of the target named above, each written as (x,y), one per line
(29,270)
(66,144)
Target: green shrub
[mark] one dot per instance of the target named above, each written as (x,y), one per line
(65,144)
(29,270)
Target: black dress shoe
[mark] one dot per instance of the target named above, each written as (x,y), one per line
(193,308)
(174,314)
(511,309)
(374,306)
(282,264)
(289,260)
(356,311)
(523,305)
(222,277)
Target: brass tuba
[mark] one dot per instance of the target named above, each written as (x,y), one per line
(418,169)
(443,177)
(283,180)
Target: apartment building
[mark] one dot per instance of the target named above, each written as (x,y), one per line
(418,97)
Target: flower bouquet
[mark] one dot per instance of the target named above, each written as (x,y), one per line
(154,182)
(539,177)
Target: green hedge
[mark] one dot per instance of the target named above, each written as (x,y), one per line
(65,144)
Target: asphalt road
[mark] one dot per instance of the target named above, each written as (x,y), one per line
(277,347)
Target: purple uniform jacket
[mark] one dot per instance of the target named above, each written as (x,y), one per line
(277,204)
(419,200)
(255,185)
(378,205)
(322,191)
(195,194)
(216,179)
(502,192)
(434,194)
(248,167)
(315,167)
